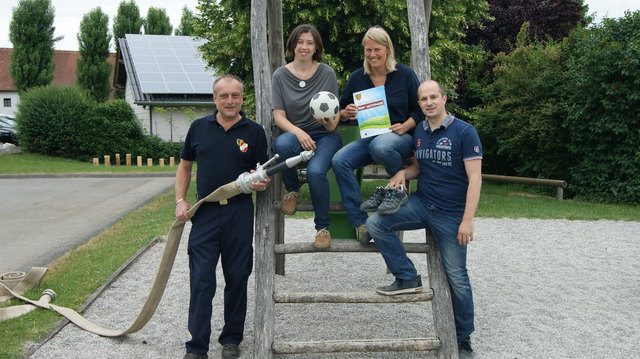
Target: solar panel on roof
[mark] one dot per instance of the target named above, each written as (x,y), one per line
(156,87)
(150,76)
(169,64)
(193,68)
(200,87)
(184,87)
(196,77)
(176,77)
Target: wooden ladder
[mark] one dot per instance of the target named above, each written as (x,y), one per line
(436,291)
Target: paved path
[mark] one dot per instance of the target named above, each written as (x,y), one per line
(43,217)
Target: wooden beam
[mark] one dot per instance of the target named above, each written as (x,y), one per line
(525,180)
(276,37)
(441,302)
(276,59)
(364,345)
(264,229)
(427,13)
(419,29)
(344,246)
(351,297)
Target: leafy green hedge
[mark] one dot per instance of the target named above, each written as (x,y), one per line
(108,128)
(520,126)
(602,105)
(569,110)
(48,118)
(65,122)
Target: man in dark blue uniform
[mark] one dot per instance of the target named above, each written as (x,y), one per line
(225,144)
(447,164)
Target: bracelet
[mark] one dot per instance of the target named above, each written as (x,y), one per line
(180,200)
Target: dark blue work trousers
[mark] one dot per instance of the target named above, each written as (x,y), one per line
(219,231)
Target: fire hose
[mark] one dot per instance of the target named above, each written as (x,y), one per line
(241,185)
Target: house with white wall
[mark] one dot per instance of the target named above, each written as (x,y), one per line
(166,81)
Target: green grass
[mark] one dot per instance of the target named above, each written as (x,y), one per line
(78,274)
(521,201)
(22,163)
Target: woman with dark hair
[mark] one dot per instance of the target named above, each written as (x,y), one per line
(388,149)
(293,86)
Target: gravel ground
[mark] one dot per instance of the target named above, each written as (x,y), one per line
(543,289)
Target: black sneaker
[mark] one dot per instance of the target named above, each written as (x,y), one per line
(371,205)
(393,200)
(464,348)
(402,286)
(230,351)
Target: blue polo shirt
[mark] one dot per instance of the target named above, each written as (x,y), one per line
(223,155)
(443,180)
(401,90)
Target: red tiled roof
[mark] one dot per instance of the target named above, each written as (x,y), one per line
(5,79)
(64,72)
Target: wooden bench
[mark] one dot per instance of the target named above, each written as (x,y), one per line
(559,184)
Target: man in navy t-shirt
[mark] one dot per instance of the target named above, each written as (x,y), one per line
(225,145)
(447,164)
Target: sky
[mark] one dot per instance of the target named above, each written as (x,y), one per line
(68,14)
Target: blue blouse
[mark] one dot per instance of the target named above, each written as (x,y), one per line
(401,88)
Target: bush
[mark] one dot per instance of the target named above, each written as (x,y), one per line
(65,122)
(154,147)
(570,111)
(49,119)
(602,105)
(111,127)
(520,126)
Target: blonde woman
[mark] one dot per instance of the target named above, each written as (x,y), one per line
(388,149)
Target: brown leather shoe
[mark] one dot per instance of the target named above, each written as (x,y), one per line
(323,239)
(289,202)
(363,235)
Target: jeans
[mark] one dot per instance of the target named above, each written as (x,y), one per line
(327,144)
(417,214)
(387,149)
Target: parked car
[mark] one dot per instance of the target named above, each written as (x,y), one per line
(8,131)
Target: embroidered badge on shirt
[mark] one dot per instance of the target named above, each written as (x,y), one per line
(444,144)
(243,146)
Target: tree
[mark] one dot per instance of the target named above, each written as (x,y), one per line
(552,19)
(569,110)
(521,123)
(93,69)
(157,22)
(187,23)
(547,20)
(31,32)
(341,38)
(126,21)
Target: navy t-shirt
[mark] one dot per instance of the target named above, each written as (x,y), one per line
(443,180)
(223,155)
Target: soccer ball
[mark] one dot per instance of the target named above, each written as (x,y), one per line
(324,104)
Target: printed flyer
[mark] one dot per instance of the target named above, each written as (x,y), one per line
(373,113)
